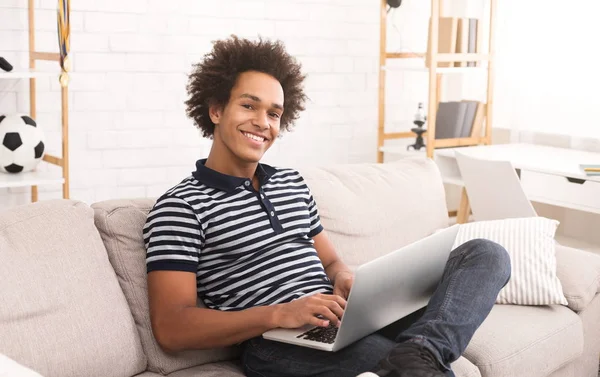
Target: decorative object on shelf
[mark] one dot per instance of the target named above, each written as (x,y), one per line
(419,130)
(22,146)
(5,65)
(64,39)
(394,3)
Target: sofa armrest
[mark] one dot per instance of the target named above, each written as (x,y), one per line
(579,274)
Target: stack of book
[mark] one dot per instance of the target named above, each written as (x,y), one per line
(456,35)
(458,119)
(591,170)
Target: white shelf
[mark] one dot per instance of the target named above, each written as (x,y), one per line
(25,74)
(403,151)
(438,70)
(32,178)
(563,204)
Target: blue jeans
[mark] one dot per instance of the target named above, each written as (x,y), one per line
(474,275)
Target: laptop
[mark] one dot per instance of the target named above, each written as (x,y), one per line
(385,290)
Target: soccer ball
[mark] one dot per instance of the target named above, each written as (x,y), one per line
(22,143)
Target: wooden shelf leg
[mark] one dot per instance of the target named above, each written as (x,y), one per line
(34,194)
(381,93)
(65,143)
(464,209)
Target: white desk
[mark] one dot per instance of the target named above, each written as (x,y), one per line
(548,174)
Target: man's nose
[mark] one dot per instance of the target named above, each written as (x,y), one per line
(262,120)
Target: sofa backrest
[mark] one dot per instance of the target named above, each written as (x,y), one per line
(120,223)
(62,312)
(371,209)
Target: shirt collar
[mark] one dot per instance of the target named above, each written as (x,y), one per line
(213,178)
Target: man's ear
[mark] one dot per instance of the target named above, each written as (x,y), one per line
(215,112)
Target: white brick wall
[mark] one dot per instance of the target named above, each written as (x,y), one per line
(129,135)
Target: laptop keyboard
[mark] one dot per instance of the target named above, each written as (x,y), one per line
(321,334)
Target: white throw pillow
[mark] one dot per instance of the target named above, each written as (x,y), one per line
(10,368)
(531,246)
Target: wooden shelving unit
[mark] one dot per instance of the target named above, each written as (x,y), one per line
(36,178)
(435,83)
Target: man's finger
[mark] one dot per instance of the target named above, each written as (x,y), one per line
(324,311)
(335,297)
(315,321)
(337,291)
(345,294)
(340,300)
(335,308)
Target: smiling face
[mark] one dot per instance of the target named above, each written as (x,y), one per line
(249,123)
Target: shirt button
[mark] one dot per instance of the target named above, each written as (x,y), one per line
(262,196)
(272,213)
(247,183)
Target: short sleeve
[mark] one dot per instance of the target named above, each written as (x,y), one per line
(315,220)
(173,236)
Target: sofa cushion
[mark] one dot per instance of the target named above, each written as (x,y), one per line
(464,368)
(461,368)
(62,312)
(120,223)
(369,210)
(220,369)
(530,244)
(590,317)
(579,273)
(528,341)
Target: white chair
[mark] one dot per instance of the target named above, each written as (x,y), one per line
(494,189)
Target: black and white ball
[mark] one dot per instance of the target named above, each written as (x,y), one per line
(22,143)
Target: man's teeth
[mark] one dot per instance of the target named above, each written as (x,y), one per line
(253,137)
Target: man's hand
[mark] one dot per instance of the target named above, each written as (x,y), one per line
(305,310)
(343,284)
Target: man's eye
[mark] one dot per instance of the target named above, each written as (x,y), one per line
(249,107)
(275,115)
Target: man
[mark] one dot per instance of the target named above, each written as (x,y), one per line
(246,238)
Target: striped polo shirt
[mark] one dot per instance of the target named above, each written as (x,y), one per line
(247,248)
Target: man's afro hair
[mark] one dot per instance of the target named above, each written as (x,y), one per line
(212,79)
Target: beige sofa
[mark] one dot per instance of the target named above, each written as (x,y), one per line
(73,296)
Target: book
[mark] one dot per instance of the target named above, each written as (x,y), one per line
(447,31)
(473,40)
(456,119)
(450,119)
(590,170)
(445,120)
(478,121)
(469,118)
(460,118)
(462,39)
